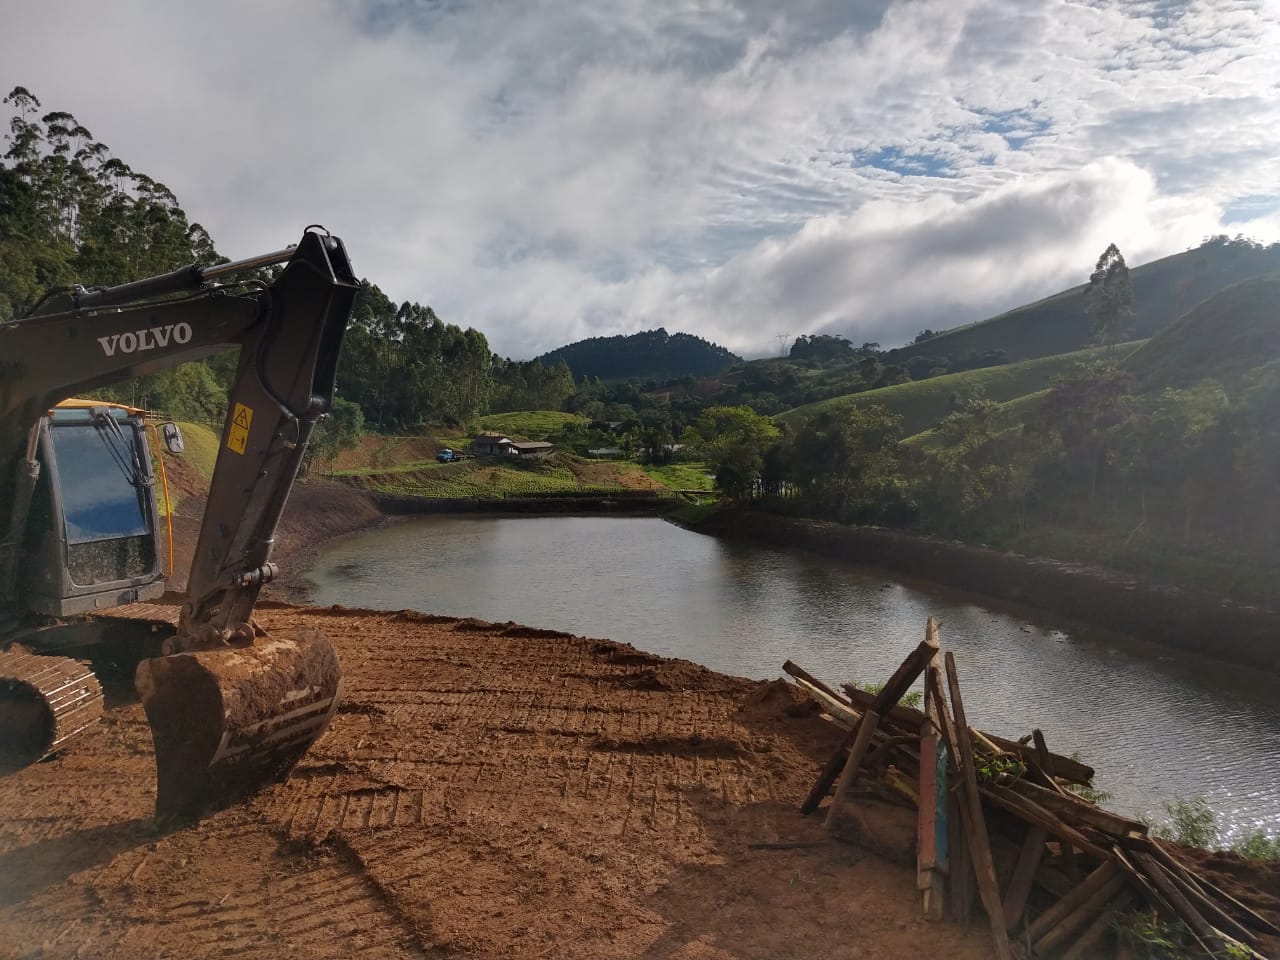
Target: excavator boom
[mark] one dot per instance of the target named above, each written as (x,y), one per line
(230,709)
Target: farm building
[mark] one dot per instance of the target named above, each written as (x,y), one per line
(496,445)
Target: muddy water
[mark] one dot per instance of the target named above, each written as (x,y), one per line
(1155,726)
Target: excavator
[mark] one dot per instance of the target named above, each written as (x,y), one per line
(231,708)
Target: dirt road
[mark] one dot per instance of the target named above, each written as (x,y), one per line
(486,791)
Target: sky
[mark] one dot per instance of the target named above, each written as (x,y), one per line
(743,170)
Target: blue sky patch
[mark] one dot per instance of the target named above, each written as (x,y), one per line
(1249,208)
(1016,126)
(895,160)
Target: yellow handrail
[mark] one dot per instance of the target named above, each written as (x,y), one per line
(164,483)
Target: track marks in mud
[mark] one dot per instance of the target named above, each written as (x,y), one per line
(329,909)
(674,746)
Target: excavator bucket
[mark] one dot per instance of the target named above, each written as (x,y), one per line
(228,722)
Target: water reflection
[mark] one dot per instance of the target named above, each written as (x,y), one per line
(1154,726)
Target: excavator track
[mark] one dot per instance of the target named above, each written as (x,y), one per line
(44,702)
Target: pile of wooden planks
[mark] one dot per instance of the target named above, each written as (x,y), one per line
(1054,872)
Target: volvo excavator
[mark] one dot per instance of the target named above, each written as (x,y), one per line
(231,708)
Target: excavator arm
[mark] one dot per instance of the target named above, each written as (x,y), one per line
(228,710)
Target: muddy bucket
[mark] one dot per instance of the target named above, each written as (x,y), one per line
(228,722)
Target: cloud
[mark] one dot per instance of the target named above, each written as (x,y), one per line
(551,170)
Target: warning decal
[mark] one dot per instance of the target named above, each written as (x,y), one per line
(238,436)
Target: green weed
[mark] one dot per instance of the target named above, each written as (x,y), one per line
(1191,823)
(1258,845)
(912,698)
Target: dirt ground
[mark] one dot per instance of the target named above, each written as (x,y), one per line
(485,791)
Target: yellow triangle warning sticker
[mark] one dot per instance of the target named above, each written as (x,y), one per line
(238,435)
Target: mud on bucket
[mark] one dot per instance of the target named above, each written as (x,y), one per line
(228,722)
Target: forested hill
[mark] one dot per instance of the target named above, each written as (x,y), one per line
(649,355)
(70,212)
(1163,290)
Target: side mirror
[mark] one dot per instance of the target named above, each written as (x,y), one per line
(172,437)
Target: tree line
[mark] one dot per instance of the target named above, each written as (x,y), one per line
(71,212)
(1189,470)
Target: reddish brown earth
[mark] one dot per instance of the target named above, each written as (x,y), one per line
(486,791)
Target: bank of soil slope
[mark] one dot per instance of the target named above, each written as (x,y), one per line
(485,791)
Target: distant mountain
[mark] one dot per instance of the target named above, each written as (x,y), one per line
(1233,332)
(1163,291)
(650,355)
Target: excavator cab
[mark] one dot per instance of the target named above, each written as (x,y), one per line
(230,707)
(91,538)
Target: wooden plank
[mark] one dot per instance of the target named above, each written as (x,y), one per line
(976,825)
(799,673)
(1048,763)
(927,818)
(1248,916)
(1052,880)
(1208,938)
(932,852)
(1043,764)
(1087,945)
(1212,911)
(1076,810)
(1078,895)
(1024,875)
(1032,812)
(866,730)
(1082,916)
(840,711)
(960,879)
(906,674)
(1065,768)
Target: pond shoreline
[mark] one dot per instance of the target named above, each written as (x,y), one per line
(1161,614)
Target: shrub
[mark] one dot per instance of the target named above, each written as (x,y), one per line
(1190,823)
(1258,845)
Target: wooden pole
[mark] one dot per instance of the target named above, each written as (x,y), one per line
(1065,768)
(1078,895)
(1086,945)
(976,825)
(901,681)
(1062,931)
(1045,759)
(932,853)
(1249,916)
(1024,875)
(866,730)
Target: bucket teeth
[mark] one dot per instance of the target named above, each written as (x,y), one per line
(228,722)
(44,702)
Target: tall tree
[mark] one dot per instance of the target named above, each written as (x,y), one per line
(734,441)
(1109,299)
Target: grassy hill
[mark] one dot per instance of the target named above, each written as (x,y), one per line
(1224,337)
(922,403)
(531,424)
(1163,290)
